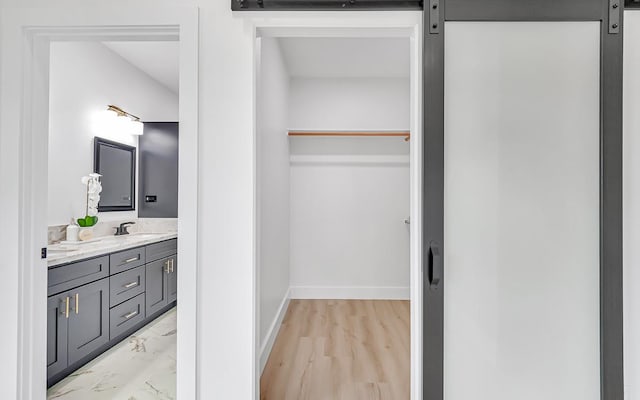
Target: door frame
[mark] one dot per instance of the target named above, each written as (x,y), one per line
(359,25)
(436,13)
(23,171)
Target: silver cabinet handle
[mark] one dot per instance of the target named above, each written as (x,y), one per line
(77,302)
(172,265)
(65,312)
(166,266)
(130,285)
(130,315)
(132,259)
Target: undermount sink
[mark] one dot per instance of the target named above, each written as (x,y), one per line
(58,250)
(141,236)
(104,240)
(67,246)
(130,236)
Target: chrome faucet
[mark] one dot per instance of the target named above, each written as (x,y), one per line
(122,229)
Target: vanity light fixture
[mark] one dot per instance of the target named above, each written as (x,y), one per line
(129,122)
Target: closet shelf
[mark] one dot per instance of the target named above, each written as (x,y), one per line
(405,134)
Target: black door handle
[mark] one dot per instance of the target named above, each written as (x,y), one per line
(435,265)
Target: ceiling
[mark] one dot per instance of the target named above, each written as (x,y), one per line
(346,57)
(159,60)
(304,57)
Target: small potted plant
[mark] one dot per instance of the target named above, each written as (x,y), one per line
(94,187)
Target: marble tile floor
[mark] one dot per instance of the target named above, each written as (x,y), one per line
(141,367)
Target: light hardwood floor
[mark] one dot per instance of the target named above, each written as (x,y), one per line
(340,350)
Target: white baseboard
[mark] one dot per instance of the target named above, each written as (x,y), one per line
(350,293)
(266,347)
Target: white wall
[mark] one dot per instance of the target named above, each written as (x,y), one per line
(226,179)
(273,191)
(631,165)
(349,103)
(85,78)
(349,196)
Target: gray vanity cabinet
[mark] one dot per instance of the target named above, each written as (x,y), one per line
(88,319)
(57,329)
(94,303)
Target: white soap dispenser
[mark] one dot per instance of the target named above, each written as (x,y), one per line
(72,231)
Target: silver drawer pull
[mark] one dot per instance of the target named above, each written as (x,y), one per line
(130,285)
(132,259)
(131,314)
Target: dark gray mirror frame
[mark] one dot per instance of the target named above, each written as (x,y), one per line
(97,143)
(610,13)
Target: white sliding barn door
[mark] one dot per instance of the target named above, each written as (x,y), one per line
(521,211)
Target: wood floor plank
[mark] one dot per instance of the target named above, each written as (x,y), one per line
(340,350)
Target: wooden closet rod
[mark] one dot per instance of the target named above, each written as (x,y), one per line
(404,134)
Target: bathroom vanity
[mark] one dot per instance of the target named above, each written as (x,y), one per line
(100,293)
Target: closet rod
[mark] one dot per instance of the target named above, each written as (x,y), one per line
(404,134)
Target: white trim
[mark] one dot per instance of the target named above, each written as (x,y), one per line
(416,228)
(257,212)
(272,334)
(338,32)
(24,133)
(351,292)
(401,160)
(189,288)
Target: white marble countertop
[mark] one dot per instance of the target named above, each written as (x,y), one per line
(64,253)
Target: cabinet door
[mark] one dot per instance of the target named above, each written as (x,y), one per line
(56,334)
(88,319)
(172,279)
(158,161)
(156,285)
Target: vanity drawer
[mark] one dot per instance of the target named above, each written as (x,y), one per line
(68,276)
(126,316)
(126,259)
(160,250)
(126,285)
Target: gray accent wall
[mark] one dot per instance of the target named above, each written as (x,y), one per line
(158,164)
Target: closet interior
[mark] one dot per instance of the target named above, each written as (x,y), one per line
(333,198)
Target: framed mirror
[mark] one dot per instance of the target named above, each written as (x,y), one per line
(116,162)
